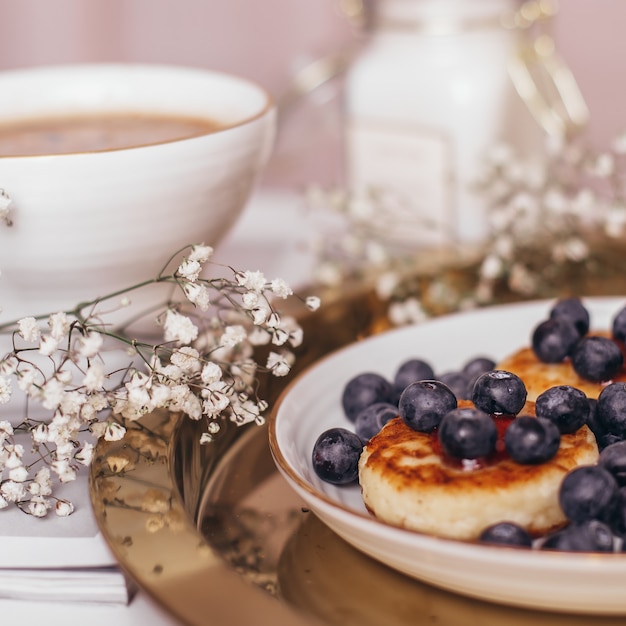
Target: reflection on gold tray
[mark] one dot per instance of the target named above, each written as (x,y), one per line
(215,535)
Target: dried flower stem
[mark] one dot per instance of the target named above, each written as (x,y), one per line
(204,367)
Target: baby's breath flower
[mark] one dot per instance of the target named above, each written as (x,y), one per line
(64,470)
(211,372)
(233,335)
(42,478)
(206,438)
(253,281)
(52,393)
(48,345)
(39,434)
(59,324)
(19,474)
(114,431)
(409,311)
(28,329)
(27,380)
(260,314)
(12,491)
(201,253)
(89,345)
(94,377)
(63,508)
(179,328)
(187,359)
(14,456)
(281,288)
(293,329)
(6,430)
(313,303)
(250,299)
(491,267)
(215,402)
(85,454)
(273,320)
(386,284)
(279,336)
(192,407)
(197,294)
(278,364)
(38,506)
(5,390)
(189,270)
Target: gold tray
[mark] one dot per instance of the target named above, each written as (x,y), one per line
(214,534)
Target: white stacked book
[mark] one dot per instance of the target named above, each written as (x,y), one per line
(55,558)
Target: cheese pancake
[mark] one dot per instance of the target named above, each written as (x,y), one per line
(406,481)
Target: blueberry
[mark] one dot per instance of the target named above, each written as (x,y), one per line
(532,440)
(506,534)
(371,419)
(613,459)
(603,437)
(477,366)
(411,371)
(588,536)
(619,326)
(499,392)
(611,408)
(458,383)
(615,516)
(564,405)
(336,456)
(553,339)
(608,439)
(597,428)
(574,310)
(363,390)
(586,492)
(597,358)
(467,433)
(423,404)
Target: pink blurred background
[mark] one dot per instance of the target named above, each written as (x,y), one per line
(267,40)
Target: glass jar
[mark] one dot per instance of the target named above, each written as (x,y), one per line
(427,97)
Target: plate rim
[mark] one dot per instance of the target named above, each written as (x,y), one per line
(554,560)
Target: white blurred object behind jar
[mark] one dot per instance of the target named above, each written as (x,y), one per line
(427,97)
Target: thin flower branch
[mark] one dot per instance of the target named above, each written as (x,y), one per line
(204,367)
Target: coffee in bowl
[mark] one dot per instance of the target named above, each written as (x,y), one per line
(97,131)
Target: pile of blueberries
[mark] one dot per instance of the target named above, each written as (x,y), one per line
(593,498)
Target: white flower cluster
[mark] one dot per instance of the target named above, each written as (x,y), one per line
(205,368)
(553,203)
(553,206)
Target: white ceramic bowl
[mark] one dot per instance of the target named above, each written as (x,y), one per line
(571,582)
(85,224)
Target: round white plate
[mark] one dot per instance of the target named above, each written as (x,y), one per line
(590,583)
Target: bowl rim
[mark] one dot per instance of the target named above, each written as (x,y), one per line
(268,106)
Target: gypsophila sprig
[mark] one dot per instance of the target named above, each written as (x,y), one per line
(205,366)
(555,206)
(550,218)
